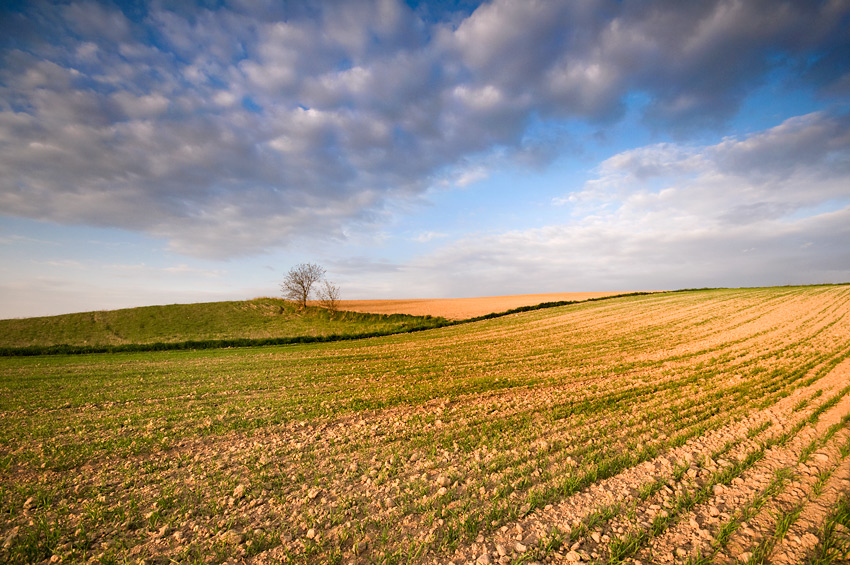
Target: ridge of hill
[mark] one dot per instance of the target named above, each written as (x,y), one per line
(258,322)
(248,320)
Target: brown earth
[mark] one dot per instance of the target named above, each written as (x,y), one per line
(462,308)
(724,424)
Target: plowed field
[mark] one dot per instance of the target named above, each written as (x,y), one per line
(463,308)
(690,427)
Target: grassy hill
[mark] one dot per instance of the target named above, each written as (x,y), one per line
(626,428)
(260,318)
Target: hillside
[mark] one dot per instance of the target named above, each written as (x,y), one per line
(691,428)
(259,318)
(464,308)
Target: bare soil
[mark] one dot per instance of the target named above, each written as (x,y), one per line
(463,308)
(724,422)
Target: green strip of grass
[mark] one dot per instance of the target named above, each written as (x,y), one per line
(252,323)
(205,344)
(216,325)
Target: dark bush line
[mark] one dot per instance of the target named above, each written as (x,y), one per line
(427,323)
(544,305)
(206,344)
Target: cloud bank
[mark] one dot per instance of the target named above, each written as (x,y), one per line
(769,208)
(234,130)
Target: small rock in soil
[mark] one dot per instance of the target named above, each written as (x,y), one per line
(10,538)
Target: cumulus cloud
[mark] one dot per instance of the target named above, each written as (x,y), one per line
(676,216)
(599,255)
(235,129)
(799,165)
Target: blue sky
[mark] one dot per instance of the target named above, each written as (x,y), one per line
(160,152)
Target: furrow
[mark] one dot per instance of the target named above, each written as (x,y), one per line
(692,538)
(555,524)
(802,536)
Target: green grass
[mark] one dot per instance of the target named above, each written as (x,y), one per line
(216,325)
(834,535)
(257,319)
(517,412)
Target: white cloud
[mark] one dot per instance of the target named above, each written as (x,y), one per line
(471,175)
(427,236)
(623,254)
(668,216)
(91,19)
(17,239)
(63,263)
(802,163)
(187,269)
(145,106)
(243,127)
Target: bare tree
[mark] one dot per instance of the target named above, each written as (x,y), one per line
(329,295)
(299,281)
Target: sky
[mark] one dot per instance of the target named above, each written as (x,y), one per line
(159,152)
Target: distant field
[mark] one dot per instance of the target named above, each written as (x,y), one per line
(259,318)
(691,427)
(463,308)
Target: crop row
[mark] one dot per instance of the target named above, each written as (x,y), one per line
(405,447)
